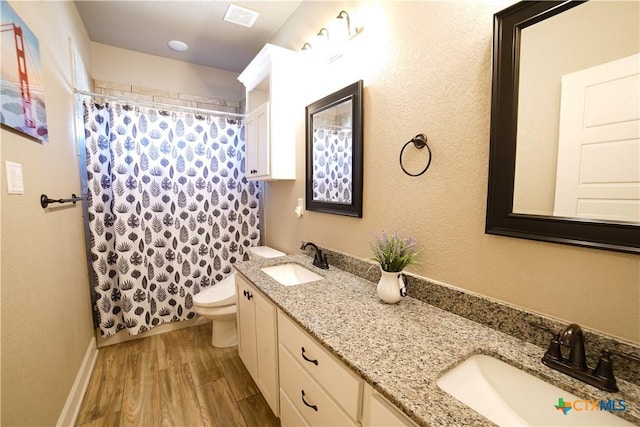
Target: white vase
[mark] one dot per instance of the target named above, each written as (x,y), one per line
(391,287)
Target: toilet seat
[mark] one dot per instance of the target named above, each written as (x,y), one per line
(218,304)
(227,312)
(219,295)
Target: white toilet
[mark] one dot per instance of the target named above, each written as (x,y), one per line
(218,303)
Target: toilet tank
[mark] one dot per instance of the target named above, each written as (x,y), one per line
(260,252)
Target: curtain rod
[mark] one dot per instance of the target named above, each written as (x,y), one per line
(158,104)
(336,127)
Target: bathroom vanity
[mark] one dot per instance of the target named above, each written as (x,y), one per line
(303,383)
(342,357)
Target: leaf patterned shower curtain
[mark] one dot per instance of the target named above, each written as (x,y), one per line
(170,210)
(332,161)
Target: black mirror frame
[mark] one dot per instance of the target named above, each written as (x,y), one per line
(353,92)
(501,220)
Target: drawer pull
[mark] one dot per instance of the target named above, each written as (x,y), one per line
(314,361)
(314,407)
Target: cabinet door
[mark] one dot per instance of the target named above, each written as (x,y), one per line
(267,345)
(379,412)
(246,325)
(257,142)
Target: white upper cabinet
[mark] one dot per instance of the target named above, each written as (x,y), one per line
(273,82)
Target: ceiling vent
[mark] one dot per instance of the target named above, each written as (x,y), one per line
(240,16)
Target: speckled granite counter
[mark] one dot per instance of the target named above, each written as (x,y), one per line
(402,349)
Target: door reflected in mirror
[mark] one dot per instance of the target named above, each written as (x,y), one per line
(578,131)
(334,153)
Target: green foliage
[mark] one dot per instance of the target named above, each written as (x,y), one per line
(394,252)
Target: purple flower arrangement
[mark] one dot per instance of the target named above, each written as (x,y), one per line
(394,252)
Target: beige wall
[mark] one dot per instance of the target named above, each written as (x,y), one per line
(426,68)
(46,314)
(112,64)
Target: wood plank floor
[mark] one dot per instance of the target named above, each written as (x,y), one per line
(173,379)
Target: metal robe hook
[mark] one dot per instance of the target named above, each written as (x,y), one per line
(419,141)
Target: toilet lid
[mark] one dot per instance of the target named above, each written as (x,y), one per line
(219,295)
(265,252)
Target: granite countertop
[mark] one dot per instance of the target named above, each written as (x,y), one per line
(402,349)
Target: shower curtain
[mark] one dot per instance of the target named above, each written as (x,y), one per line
(170,210)
(332,174)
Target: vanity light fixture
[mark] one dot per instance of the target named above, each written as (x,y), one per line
(344,15)
(330,41)
(321,43)
(240,15)
(343,21)
(323,33)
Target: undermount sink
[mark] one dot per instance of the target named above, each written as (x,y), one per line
(509,396)
(291,274)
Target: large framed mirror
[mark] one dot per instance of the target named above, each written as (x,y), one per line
(334,153)
(564,109)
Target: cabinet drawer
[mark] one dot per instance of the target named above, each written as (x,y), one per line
(310,400)
(325,368)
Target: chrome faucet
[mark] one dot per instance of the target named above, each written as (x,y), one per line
(319,259)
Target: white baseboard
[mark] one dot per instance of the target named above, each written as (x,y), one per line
(74,400)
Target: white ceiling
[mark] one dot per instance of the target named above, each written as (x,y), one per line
(147,26)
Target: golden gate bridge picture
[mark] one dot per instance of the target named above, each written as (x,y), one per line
(21,86)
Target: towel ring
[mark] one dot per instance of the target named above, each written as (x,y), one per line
(419,141)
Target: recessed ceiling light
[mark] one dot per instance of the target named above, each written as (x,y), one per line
(240,15)
(177,45)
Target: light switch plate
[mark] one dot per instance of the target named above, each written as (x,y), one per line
(15,183)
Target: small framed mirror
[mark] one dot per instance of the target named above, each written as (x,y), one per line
(334,153)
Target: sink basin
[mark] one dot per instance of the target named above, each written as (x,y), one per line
(509,396)
(291,274)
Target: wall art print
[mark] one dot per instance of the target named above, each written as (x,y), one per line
(21,85)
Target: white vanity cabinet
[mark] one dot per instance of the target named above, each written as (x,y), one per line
(258,339)
(273,104)
(378,411)
(316,389)
(303,383)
